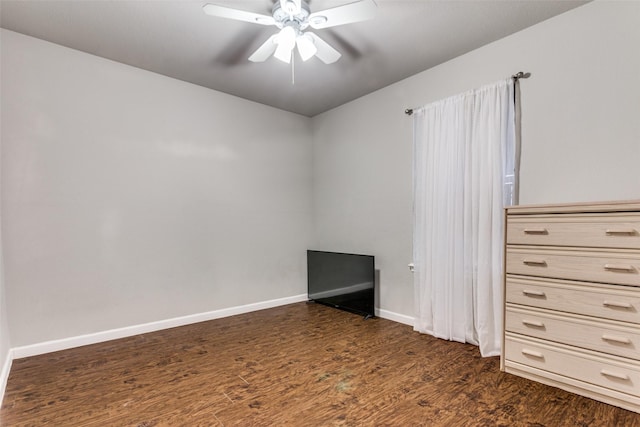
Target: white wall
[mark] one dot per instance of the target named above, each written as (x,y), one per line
(581,134)
(129,197)
(5,343)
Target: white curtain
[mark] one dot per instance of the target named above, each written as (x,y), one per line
(464,154)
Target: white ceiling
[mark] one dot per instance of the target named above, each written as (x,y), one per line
(176,39)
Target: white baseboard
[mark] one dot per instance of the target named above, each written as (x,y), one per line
(4,375)
(396,317)
(71,342)
(112,334)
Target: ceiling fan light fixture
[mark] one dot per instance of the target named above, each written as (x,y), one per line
(286,42)
(306,47)
(283,54)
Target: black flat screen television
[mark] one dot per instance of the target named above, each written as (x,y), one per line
(344,281)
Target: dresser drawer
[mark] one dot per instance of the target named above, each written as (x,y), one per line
(591,230)
(598,300)
(607,336)
(606,371)
(614,266)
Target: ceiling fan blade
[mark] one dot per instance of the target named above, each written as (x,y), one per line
(237,14)
(265,51)
(346,14)
(325,52)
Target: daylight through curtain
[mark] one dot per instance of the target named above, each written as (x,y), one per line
(464,156)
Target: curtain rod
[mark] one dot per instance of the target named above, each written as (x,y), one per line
(517,76)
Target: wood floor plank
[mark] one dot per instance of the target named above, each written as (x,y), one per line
(296,365)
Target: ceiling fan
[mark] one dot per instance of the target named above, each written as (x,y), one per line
(293,17)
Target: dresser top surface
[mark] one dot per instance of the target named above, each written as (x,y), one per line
(585,207)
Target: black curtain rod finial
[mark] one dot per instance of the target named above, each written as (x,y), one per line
(521,75)
(408,111)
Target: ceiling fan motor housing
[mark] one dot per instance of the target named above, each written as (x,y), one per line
(283,18)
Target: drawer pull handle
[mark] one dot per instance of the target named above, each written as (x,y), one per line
(531,293)
(536,231)
(612,374)
(628,231)
(621,340)
(617,304)
(533,323)
(533,353)
(619,267)
(537,262)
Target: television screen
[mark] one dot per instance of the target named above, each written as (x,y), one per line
(344,281)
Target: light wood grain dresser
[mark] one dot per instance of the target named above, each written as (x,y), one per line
(572,298)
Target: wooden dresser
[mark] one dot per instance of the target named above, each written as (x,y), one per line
(572,298)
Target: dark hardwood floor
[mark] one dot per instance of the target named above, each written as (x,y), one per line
(296,365)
